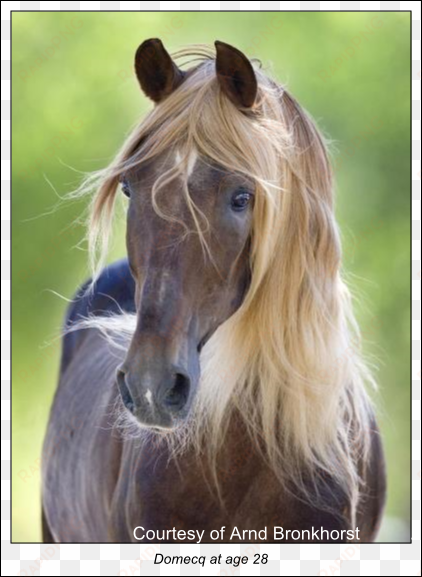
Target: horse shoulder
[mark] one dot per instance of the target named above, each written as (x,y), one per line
(79,435)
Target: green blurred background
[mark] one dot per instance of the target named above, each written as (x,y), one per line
(75,99)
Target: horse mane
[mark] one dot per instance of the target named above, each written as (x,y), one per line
(289,360)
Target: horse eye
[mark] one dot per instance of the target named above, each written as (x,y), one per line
(240,200)
(125,187)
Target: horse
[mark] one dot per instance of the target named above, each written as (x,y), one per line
(213,378)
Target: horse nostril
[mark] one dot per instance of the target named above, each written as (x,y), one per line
(124,391)
(176,398)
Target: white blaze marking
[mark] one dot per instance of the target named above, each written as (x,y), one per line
(193,157)
(148,396)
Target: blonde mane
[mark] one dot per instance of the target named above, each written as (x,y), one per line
(289,359)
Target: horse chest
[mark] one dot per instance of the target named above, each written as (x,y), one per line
(163,494)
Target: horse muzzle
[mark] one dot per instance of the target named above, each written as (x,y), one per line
(163,404)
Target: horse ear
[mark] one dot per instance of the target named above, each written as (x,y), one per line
(157,74)
(235,75)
